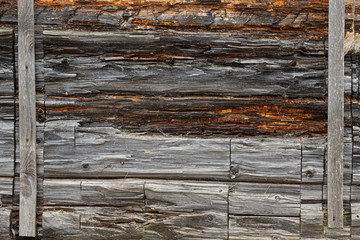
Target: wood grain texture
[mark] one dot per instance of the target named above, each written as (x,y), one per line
(171,210)
(6,103)
(6,191)
(193,116)
(259,228)
(264,199)
(73,151)
(313,160)
(118,192)
(270,17)
(5,223)
(266,159)
(6,63)
(27,118)
(312,221)
(181,63)
(336,113)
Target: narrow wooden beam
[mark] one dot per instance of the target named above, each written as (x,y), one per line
(336,113)
(27,104)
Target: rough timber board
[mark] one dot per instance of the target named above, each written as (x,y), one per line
(193,116)
(181,63)
(264,199)
(5,216)
(266,159)
(72,151)
(6,191)
(313,159)
(172,210)
(93,192)
(6,103)
(295,18)
(263,228)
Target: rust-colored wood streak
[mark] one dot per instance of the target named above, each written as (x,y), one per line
(194,115)
(278,17)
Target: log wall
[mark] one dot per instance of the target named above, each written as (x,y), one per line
(179,119)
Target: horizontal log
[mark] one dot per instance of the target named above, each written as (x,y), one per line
(292,18)
(5,224)
(256,227)
(266,159)
(179,63)
(264,199)
(73,151)
(206,116)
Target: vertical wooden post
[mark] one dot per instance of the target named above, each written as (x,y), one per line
(336,113)
(27,118)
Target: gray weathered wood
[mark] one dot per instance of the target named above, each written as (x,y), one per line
(263,228)
(312,221)
(266,159)
(172,210)
(73,151)
(117,192)
(5,223)
(27,118)
(355,220)
(6,191)
(181,63)
(336,113)
(265,199)
(311,193)
(6,103)
(313,160)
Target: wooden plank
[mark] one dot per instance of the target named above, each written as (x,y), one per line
(6,103)
(355,220)
(336,113)
(5,223)
(206,115)
(263,228)
(119,192)
(6,191)
(181,63)
(311,193)
(313,160)
(294,18)
(266,159)
(265,199)
(27,118)
(190,210)
(73,151)
(312,220)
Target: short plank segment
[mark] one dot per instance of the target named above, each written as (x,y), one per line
(27,118)
(266,160)
(265,199)
(263,228)
(336,113)
(5,223)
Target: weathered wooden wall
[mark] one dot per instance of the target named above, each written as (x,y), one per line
(179,119)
